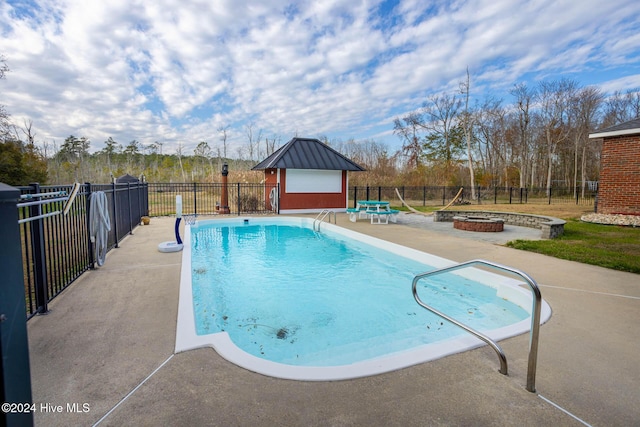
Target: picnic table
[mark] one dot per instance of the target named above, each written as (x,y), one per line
(378,211)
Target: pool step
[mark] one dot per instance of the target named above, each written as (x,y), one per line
(374,347)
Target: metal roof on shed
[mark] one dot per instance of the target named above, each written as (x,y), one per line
(307,153)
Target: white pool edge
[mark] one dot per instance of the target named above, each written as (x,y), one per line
(187,339)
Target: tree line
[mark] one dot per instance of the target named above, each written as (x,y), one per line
(537,138)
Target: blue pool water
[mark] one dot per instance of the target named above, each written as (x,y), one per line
(287,294)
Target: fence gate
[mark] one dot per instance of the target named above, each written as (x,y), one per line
(15,376)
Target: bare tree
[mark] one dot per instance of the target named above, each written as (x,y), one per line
(407,129)
(583,107)
(271,145)
(223,130)
(179,150)
(621,107)
(554,98)
(524,98)
(5,126)
(28,132)
(440,114)
(253,140)
(491,124)
(467,120)
(633,97)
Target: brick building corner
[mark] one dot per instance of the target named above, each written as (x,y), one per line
(619,183)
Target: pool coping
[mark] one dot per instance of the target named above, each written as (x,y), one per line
(187,339)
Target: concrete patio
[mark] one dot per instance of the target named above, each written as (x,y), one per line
(108,343)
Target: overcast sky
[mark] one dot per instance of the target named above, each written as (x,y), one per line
(178,70)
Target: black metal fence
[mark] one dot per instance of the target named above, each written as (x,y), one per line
(206,198)
(56,248)
(442,195)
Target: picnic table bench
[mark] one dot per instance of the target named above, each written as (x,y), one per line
(377,210)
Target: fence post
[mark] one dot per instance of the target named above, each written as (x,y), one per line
(550,190)
(140,202)
(15,374)
(129,203)
(424,195)
(444,195)
(37,254)
(195,198)
(367,192)
(521,194)
(495,195)
(355,196)
(115,210)
(238,185)
(145,204)
(278,197)
(510,192)
(92,260)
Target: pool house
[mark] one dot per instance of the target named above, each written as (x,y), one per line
(310,175)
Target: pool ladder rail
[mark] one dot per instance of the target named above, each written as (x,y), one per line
(535,316)
(321,216)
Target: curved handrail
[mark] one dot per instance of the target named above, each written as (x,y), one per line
(319,220)
(535,315)
(503,359)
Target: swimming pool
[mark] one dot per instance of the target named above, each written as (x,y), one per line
(279,312)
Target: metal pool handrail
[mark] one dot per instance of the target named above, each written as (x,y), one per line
(535,315)
(318,219)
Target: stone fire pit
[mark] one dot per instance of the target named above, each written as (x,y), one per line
(478,223)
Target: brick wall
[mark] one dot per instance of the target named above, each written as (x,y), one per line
(619,183)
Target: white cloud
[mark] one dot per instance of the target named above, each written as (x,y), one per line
(176,71)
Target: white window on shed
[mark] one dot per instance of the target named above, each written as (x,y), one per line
(313,181)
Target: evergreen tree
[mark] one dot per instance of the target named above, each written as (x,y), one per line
(21,164)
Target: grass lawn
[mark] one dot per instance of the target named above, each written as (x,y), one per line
(607,246)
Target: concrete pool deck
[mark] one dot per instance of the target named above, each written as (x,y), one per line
(109,342)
